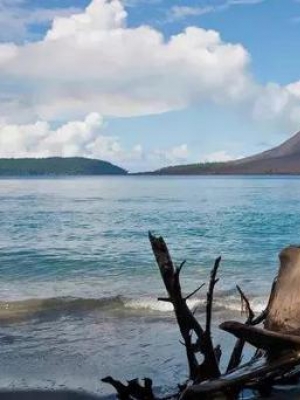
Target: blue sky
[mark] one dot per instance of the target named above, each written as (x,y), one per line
(148,83)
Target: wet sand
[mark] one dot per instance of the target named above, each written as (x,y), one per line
(293,394)
(45,395)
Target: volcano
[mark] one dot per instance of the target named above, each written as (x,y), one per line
(283,159)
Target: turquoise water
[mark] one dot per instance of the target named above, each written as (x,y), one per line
(79,284)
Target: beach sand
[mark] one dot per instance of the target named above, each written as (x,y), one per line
(45,395)
(293,394)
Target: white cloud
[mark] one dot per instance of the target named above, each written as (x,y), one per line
(181,12)
(94,61)
(275,104)
(82,138)
(224,5)
(218,156)
(172,155)
(75,138)
(244,2)
(136,3)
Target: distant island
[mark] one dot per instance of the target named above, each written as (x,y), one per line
(283,159)
(57,166)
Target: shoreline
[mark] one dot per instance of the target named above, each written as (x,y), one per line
(39,394)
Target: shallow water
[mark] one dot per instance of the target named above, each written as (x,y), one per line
(79,284)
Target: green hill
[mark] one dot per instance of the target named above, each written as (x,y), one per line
(191,169)
(57,166)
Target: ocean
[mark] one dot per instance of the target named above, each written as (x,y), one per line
(79,284)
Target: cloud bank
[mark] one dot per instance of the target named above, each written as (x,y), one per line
(75,138)
(80,138)
(92,61)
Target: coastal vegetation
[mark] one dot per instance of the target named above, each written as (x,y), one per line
(192,169)
(57,166)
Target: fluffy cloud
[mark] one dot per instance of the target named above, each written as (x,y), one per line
(278,104)
(94,61)
(75,138)
(82,138)
(182,12)
(218,156)
(173,155)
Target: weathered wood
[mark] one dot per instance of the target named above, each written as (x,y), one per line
(248,374)
(133,390)
(194,292)
(245,301)
(186,320)
(282,316)
(210,294)
(212,355)
(284,308)
(236,355)
(262,338)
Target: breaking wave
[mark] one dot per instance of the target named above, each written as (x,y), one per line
(59,306)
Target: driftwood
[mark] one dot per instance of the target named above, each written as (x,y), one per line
(185,318)
(277,358)
(133,389)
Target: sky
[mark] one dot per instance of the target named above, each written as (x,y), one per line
(148,83)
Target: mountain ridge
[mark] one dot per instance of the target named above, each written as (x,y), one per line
(281,159)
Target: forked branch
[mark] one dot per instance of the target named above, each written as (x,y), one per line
(186,320)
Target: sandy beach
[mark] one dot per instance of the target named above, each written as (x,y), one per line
(45,395)
(292,394)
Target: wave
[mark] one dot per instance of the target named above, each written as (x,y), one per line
(54,307)
(58,306)
(223,304)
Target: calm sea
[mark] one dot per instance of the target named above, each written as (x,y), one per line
(78,282)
